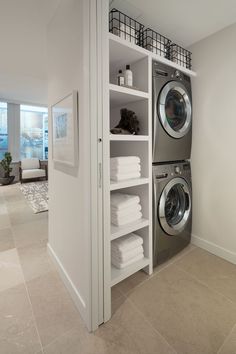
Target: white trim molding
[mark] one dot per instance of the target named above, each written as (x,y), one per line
(77,298)
(214,249)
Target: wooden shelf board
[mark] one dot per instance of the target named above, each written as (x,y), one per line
(128,183)
(118,231)
(120,137)
(118,275)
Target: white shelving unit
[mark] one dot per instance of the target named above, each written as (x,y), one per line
(137,99)
(120,95)
(117,232)
(122,52)
(117,137)
(117,275)
(129,183)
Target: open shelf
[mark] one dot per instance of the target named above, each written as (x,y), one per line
(116,44)
(128,183)
(121,95)
(118,275)
(120,52)
(141,110)
(128,137)
(118,231)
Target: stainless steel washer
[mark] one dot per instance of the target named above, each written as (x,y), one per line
(172,209)
(172,114)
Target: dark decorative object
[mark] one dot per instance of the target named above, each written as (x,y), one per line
(5,164)
(125,27)
(156,42)
(128,124)
(180,56)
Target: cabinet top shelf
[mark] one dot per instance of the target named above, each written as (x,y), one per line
(121,48)
(122,95)
(128,137)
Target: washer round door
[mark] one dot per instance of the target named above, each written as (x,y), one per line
(175,111)
(174,206)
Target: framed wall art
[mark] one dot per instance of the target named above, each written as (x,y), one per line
(65,130)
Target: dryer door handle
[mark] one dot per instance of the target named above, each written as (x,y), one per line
(161,176)
(154,116)
(187,201)
(155,220)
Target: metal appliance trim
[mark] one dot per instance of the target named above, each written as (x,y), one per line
(162,114)
(178,228)
(154,121)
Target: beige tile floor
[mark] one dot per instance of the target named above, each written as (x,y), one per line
(187,306)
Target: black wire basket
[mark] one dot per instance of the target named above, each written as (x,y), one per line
(133,31)
(180,56)
(155,42)
(125,27)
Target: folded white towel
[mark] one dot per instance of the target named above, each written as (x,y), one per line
(126,211)
(123,177)
(135,167)
(127,255)
(123,160)
(122,265)
(126,243)
(127,219)
(121,200)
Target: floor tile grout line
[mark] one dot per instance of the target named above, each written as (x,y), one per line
(149,323)
(31,306)
(172,262)
(214,291)
(25,284)
(61,335)
(206,285)
(218,352)
(24,280)
(157,272)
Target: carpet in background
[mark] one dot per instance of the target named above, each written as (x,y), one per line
(36,193)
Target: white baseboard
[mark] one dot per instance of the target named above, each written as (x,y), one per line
(213,248)
(77,298)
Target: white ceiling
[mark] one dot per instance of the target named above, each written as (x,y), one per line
(183,21)
(23,64)
(23,69)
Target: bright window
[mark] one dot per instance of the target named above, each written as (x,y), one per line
(34,132)
(3,129)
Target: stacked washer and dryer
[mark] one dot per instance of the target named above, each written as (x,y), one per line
(172,137)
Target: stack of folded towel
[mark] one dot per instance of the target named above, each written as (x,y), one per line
(125,167)
(125,209)
(126,250)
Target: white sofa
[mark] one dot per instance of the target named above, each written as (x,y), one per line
(32,169)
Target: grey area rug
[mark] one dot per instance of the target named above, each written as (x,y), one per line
(36,193)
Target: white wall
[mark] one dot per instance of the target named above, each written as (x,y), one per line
(70,189)
(214,143)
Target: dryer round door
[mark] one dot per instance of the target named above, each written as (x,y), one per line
(174,206)
(175,111)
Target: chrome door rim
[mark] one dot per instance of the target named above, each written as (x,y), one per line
(180,88)
(178,228)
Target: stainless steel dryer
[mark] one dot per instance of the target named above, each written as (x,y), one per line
(172,114)
(172,209)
